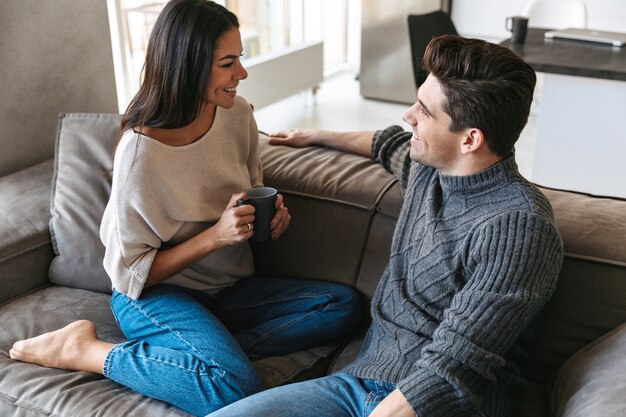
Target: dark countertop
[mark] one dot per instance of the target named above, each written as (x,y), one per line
(558,56)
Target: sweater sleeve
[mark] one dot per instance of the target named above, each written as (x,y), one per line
(390,148)
(133,226)
(512,263)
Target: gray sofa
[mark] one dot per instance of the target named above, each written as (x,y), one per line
(344,211)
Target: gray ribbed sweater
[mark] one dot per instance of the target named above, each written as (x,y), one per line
(473,261)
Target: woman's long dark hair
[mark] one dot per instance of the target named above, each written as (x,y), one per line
(178,64)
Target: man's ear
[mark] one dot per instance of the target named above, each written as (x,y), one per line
(473,141)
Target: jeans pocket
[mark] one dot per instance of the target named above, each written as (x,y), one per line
(371,401)
(378,391)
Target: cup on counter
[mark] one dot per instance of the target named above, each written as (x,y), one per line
(264,201)
(518,26)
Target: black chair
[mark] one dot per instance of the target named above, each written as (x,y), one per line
(422,28)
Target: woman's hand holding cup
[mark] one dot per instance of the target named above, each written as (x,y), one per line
(236,223)
(281,219)
(271,215)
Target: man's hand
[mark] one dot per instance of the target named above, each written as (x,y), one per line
(297,138)
(394,405)
(359,143)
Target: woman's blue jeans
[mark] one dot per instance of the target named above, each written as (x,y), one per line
(337,395)
(191,349)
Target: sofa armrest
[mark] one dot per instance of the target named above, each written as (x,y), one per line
(591,382)
(589,299)
(25,247)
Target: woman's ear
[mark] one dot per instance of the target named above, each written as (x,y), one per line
(473,141)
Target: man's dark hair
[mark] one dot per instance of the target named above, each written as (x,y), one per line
(486,86)
(178,64)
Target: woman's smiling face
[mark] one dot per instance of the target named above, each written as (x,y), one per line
(226,69)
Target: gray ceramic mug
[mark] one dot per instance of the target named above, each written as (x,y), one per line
(264,201)
(518,26)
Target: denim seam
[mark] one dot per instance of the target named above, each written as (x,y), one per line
(370,399)
(288,324)
(383,388)
(107,361)
(272,301)
(167,363)
(379,391)
(156,323)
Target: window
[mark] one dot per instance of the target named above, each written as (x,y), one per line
(266,26)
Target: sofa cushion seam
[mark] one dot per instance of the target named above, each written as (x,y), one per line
(22,404)
(374,209)
(608,261)
(324,198)
(25,250)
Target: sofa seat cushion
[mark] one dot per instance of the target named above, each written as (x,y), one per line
(27,389)
(591,382)
(25,250)
(32,391)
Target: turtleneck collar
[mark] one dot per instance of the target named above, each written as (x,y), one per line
(481,180)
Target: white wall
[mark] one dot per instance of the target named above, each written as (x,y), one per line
(607,14)
(485,18)
(278,75)
(55,57)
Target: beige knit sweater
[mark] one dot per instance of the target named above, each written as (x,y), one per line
(162,195)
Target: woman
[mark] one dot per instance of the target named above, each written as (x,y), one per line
(175,238)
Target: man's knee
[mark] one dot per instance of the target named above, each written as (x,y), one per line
(346,304)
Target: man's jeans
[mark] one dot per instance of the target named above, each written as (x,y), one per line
(191,349)
(337,395)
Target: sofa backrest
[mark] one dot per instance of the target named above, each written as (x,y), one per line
(344,209)
(56,57)
(590,299)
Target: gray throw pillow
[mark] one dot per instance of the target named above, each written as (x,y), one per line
(80,191)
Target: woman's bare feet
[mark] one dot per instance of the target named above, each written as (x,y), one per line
(74,347)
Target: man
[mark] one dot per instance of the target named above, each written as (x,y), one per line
(474,258)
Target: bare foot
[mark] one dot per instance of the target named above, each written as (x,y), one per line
(74,347)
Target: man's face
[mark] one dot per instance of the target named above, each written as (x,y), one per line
(432,143)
